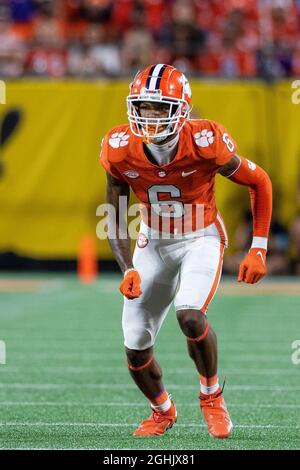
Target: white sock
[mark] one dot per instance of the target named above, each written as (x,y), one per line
(209,390)
(163,407)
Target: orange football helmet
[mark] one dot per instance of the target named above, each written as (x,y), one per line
(164,84)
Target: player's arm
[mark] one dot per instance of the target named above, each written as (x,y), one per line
(120,244)
(246,173)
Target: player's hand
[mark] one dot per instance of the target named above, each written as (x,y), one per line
(253,267)
(131,285)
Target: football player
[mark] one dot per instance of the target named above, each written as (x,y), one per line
(170,162)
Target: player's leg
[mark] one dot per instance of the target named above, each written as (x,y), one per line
(145,371)
(201,341)
(199,278)
(201,338)
(142,319)
(148,377)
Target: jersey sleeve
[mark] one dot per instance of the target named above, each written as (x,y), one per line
(105,160)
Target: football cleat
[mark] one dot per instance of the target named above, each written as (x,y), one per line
(216,415)
(157,423)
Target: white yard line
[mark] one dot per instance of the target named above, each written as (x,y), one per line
(126,425)
(139,405)
(169,370)
(127,386)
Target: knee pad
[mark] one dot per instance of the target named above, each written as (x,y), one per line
(137,338)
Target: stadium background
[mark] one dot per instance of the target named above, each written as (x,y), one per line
(66,67)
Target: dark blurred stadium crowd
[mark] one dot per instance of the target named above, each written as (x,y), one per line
(283,246)
(104,38)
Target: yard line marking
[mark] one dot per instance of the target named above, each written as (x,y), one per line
(87,356)
(226,342)
(126,386)
(121,404)
(99,425)
(106,386)
(60,448)
(171,370)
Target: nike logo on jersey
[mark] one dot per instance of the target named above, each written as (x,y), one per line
(262,257)
(188,173)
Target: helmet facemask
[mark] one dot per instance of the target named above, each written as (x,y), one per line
(156,129)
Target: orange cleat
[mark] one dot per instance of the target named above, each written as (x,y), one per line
(158,423)
(216,414)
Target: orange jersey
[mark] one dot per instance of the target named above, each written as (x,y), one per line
(187,181)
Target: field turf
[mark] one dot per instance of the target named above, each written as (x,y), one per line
(65,384)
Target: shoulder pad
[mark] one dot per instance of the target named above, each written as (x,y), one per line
(115,143)
(212,140)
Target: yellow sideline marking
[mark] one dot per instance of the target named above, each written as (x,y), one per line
(22,285)
(264,288)
(110,286)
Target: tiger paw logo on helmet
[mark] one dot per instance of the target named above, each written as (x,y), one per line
(118,139)
(204,138)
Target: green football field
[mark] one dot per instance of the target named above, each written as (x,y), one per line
(65,384)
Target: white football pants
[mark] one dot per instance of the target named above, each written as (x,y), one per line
(185,270)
